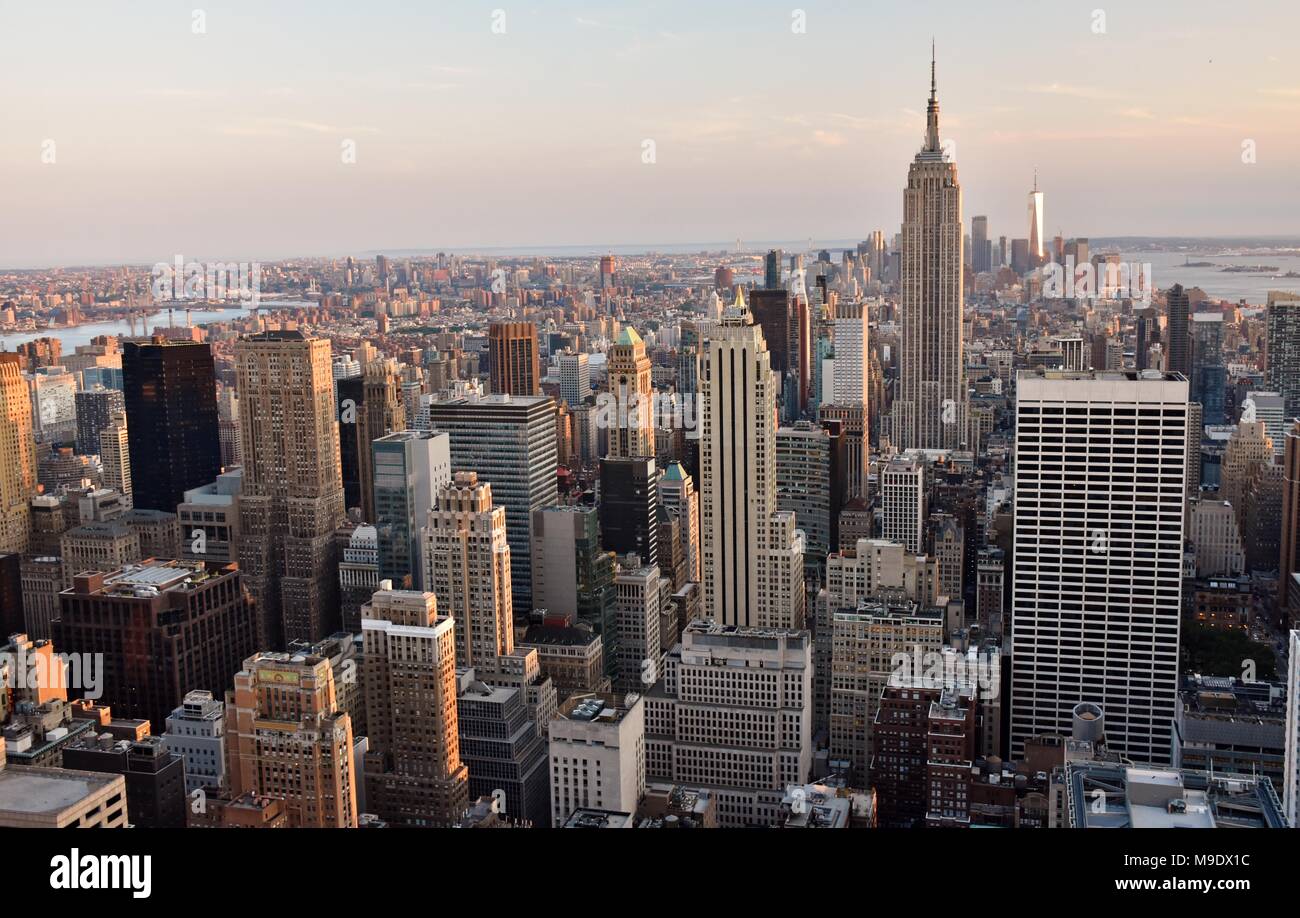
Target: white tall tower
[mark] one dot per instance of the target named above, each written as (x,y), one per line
(753,555)
(850,384)
(1036,222)
(903,499)
(930,411)
(1100,469)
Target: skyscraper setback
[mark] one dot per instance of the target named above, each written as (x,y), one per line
(467,565)
(632,433)
(510,441)
(292,499)
(930,411)
(414,773)
(752,552)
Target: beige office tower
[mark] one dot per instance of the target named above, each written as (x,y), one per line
(467,565)
(733,714)
(677,496)
(1248,450)
(930,411)
(752,552)
(868,643)
(949,553)
(631,428)
(1216,538)
(17,456)
(383,412)
(287,739)
(414,773)
(115,456)
(292,498)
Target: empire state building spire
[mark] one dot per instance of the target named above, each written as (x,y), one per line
(932,111)
(929,411)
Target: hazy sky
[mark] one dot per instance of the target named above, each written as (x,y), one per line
(229,143)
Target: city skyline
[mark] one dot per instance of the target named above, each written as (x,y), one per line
(457,145)
(964,520)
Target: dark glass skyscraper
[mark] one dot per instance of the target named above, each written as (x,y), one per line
(172,425)
(1209,374)
(1178,356)
(629,499)
(772,270)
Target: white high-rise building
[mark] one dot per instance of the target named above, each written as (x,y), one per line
(753,554)
(1270,408)
(850,383)
(467,566)
(1036,250)
(196,731)
(598,757)
(903,498)
(1100,468)
(734,714)
(575,378)
(930,411)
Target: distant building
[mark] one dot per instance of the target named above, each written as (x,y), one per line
(512,358)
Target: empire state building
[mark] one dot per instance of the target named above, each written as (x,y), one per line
(930,410)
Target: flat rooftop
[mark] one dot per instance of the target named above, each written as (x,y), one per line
(157,574)
(595,708)
(47,790)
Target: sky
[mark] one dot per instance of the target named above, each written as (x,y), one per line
(133,132)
